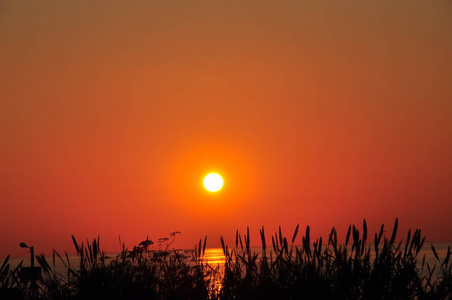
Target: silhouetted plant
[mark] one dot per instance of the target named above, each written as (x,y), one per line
(382,269)
(354,270)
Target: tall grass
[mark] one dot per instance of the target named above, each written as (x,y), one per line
(357,269)
(140,273)
(295,267)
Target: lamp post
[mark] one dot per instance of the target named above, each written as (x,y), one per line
(31,274)
(32,252)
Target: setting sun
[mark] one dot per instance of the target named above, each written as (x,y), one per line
(213,182)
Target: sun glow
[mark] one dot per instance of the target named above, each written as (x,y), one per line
(213,182)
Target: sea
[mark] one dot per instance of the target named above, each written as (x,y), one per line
(216,258)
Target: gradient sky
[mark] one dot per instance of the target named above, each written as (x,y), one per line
(315,112)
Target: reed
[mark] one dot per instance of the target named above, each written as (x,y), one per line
(140,273)
(294,267)
(357,269)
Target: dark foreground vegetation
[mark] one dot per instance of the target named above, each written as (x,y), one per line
(358,269)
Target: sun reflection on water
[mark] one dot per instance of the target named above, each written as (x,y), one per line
(215,258)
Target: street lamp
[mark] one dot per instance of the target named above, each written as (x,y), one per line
(32,251)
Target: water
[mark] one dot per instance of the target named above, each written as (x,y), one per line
(215,257)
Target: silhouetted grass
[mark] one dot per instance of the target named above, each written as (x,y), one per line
(141,273)
(357,269)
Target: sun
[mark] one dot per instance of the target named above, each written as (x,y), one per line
(213,182)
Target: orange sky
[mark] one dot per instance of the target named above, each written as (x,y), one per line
(315,112)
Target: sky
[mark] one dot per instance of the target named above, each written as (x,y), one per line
(322,113)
